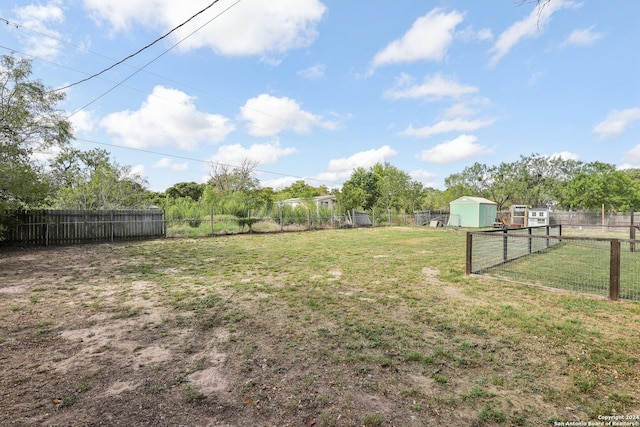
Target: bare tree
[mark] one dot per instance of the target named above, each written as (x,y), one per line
(228,179)
(540,4)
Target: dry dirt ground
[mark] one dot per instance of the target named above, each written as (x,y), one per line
(100,354)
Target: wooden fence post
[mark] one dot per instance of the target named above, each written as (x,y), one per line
(614,270)
(469,252)
(632,234)
(505,239)
(282,218)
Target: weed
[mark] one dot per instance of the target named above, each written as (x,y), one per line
(155,389)
(488,413)
(200,365)
(328,420)
(518,420)
(416,356)
(585,382)
(83,387)
(372,420)
(193,396)
(412,392)
(180,379)
(441,379)
(68,400)
(476,392)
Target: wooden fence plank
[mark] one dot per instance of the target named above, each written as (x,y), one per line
(67,227)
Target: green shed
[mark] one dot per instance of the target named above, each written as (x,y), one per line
(472,212)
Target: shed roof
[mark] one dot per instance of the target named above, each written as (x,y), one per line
(470,199)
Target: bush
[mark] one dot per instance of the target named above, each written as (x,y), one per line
(194,220)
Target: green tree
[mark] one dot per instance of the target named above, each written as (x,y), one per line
(186,189)
(474,180)
(600,184)
(29,123)
(383,186)
(360,191)
(393,187)
(300,189)
(90,180)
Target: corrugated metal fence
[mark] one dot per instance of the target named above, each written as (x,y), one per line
(68,227)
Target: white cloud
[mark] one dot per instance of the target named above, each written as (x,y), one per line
(279,183)
(168,117)
(632,158)
(268,115)
(582,37)
(460,109)
(83,121)
(137,170)
(166,163)
(42,41)
(530,27)
(445,126)
(434,88)
(265,154)
(313,73)
(565,155)
(427,40)
(250,27)
(424,176)
(470,34)
(460,148)
(45,155)
(616,122)
(341,169)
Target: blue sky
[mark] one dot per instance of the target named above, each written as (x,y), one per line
(312,89)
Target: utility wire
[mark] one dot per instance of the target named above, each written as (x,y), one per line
(154,59)
(227,100)
(139,50)
(176,156)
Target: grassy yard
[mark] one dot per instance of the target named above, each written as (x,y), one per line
(374,327)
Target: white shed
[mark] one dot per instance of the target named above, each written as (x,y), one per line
(538,216)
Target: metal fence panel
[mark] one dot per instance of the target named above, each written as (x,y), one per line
(600,266)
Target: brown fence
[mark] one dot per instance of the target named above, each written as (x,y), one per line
(608,267)
(67,227)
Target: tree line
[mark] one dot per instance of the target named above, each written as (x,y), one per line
(30,124)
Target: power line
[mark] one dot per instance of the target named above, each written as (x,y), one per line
(233,102)
(154,59)
(143,69)
(141,49)
(176,156)
(12,50)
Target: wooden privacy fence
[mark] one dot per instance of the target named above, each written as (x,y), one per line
(68,227)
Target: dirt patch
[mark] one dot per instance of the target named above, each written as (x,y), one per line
(81,346)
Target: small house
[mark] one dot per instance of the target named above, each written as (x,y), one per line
(469,211)
(538,216)
(327,202)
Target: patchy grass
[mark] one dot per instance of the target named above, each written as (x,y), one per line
(342,327)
